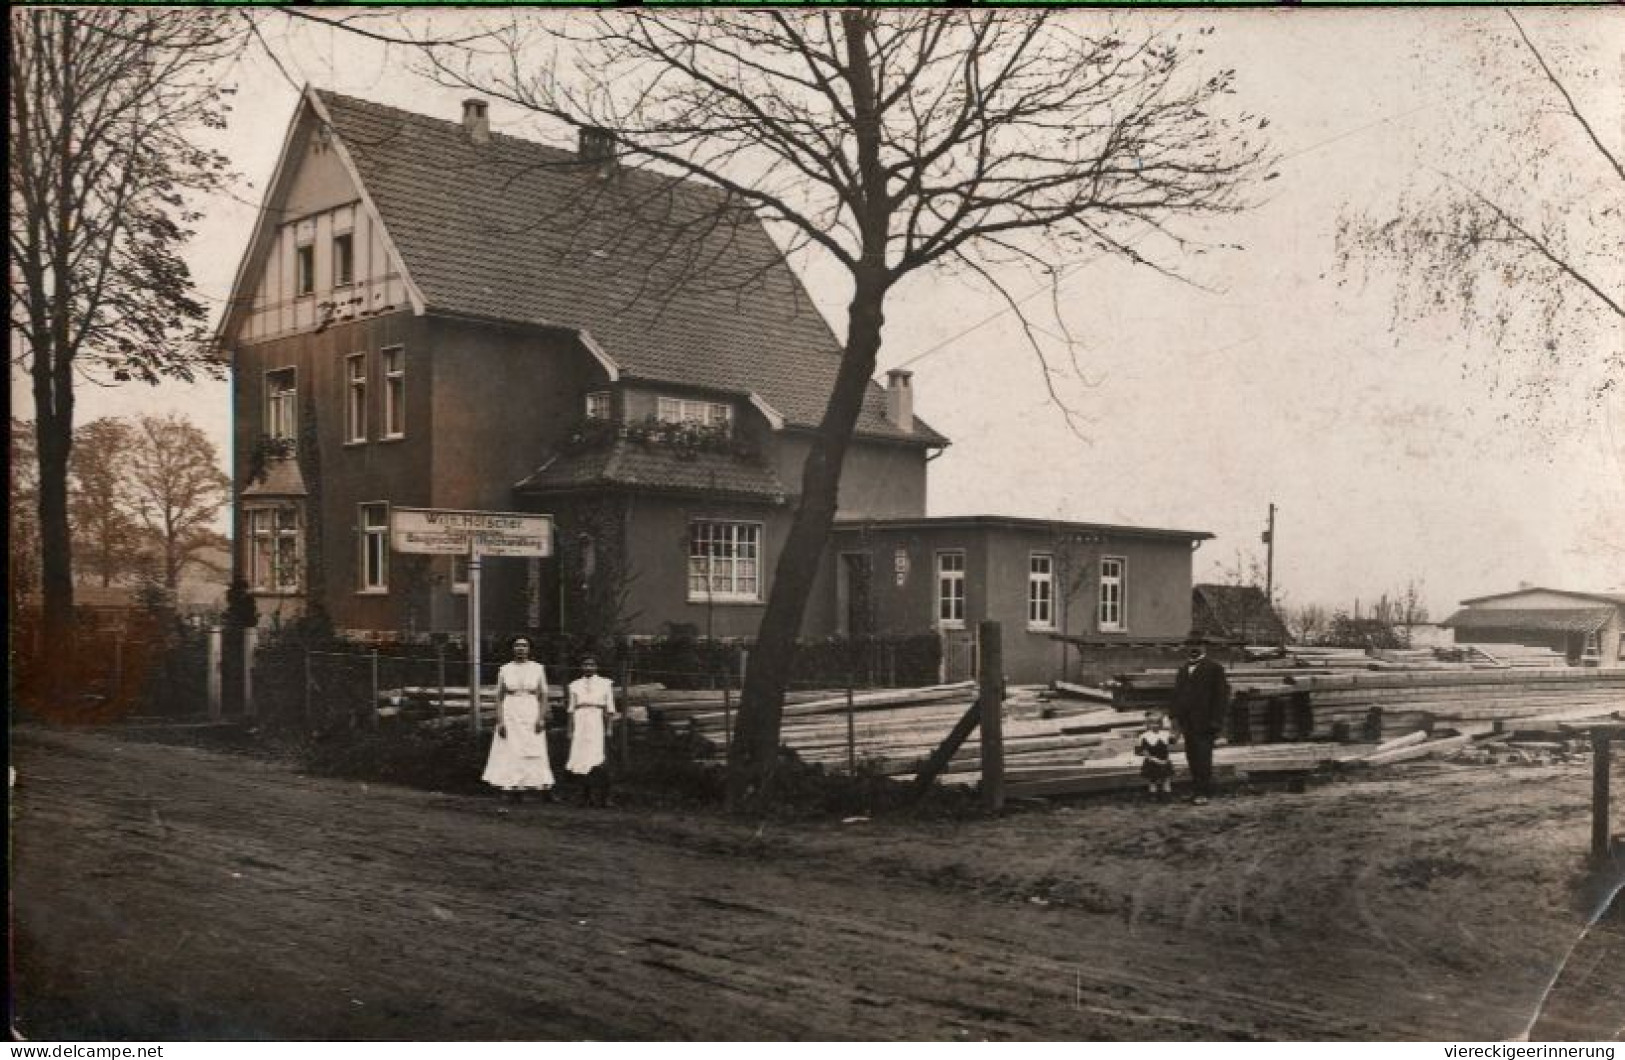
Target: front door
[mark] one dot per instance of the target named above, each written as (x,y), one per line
(855,595)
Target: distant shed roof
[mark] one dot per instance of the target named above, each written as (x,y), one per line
(1543,619)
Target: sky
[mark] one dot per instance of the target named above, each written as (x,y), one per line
(1272,376)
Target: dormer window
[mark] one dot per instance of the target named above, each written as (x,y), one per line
(705,413)
(598,406)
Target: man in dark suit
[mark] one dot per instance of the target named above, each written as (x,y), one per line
(1201,697)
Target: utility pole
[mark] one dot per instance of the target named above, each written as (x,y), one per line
(1269,559)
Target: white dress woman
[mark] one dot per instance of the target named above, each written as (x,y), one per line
(592,709)
(518,761)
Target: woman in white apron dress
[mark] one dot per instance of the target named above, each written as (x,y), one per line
(518,761)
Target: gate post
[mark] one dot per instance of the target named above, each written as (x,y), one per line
(991,700)
(216,661)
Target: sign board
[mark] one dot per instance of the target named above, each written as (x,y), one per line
(446,531)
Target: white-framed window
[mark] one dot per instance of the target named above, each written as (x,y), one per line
(1112,577)
(374,566)
(272,561)
(724,560)
(282,404)
(355,398)
(598,407)
(682,410)
(459,574)
(394,392)
(951,589)
(1041,591)
(343,259)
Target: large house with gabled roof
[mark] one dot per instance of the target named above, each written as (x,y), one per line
(430,314)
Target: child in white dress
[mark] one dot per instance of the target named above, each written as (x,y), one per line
(1155,745)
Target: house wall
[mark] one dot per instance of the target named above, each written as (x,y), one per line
(1157,587)
(484,407)
(321,201)
(879,480)
(345,476)
(657,543)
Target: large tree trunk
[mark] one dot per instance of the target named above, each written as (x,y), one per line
(755,749)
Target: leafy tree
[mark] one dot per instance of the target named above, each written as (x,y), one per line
(105,104)
(892,143)
(178,490)
(106,535)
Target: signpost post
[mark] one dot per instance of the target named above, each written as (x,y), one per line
(475,534)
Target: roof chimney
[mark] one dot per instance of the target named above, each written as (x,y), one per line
(476,121)
(900,399)
(596,145)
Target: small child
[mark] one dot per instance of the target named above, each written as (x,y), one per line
(1153,746)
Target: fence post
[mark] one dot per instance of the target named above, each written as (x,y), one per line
(623,738)
(727,718)
(1600,740)
(251,642)
(118,664)
(372,704)
(851,729)
(307,687)
(440,673)
(216,661)
(991,699)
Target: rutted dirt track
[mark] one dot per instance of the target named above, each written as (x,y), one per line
(171,893)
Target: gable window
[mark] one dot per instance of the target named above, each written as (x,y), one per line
(355,400)
(394,392)
(1041,591)
(682,410)
(304,269)
(724,561)
(343,259)
(272,560)
(1111,593)
(281,404)
(375,548)
(951,589)
(598,405)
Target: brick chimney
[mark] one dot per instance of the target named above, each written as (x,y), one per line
(596,145)
(900,399)
(476,121)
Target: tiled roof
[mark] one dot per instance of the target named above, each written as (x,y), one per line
(642,466)
(1235,611)
(1545,619)
(520,231)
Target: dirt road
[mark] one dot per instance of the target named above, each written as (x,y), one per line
(173,893)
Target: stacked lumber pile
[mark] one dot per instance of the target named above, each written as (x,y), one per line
(1476,702)
(1516,656)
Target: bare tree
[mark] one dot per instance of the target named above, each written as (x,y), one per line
(1520,233)
(104,105)
(892,143)
(1308,624)
(178,489)
(106,535)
